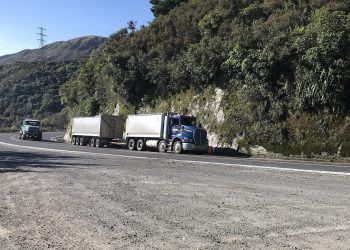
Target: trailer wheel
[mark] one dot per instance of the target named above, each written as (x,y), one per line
(132,144)
(73,140)
(81,141)
(162,146)
(98,143)
(92,142)
(177,147)
(140,145)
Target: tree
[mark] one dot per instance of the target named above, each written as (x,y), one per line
(162,7)
(322,76)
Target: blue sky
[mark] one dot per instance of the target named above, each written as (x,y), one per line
(65,19)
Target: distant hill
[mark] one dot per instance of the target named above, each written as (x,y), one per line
(74,49)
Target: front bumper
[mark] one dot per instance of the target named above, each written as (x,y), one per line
(194,147)
(32,135)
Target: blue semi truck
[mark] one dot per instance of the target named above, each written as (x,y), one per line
(165,132)
(162,131)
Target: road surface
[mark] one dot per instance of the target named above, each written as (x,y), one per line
(56,195)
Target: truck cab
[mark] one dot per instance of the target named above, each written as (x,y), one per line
(184,129)
(30,128)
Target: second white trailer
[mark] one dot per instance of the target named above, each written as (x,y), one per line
(97,131)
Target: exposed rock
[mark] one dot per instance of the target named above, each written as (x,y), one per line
(258,150)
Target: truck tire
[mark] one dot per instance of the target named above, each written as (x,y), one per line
(162,148)
(140,145)
(92,142)
(131,144)
(73,140)
(81,141)
(98,143)
(177,147)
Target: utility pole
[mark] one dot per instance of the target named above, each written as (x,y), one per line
(42,41)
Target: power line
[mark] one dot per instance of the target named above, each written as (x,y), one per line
(42,41)
(42,36)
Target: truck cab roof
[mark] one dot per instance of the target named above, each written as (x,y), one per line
(31,120)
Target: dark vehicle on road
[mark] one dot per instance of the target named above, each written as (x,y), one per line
(30,128)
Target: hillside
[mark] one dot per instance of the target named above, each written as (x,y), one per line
(73,49)
(29,88)
(282,68)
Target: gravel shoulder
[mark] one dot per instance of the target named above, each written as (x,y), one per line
(66,201)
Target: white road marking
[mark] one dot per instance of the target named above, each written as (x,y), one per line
(184,161)
(292,162)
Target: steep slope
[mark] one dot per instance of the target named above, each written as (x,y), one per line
(73,49)
(283,68)
(29,87)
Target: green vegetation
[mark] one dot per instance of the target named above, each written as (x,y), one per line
(162,7)
(283,66)
(31,90)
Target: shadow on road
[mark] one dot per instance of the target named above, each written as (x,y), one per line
(229,152)
(26,162)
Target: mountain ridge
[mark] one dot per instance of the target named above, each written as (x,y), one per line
(59,51)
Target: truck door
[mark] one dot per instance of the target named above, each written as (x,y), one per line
(175,127)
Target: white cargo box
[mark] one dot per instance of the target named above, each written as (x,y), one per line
(106,126)
(145,125)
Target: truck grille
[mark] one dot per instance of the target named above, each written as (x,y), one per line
(200,136)
(32,130)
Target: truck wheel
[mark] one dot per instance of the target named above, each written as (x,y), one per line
(177,147)
(92,142)
(98,143)
(81,141)
(132,144)
(162,146)
(140,145)
(73,140)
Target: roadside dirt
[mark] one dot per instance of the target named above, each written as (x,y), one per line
(60,201)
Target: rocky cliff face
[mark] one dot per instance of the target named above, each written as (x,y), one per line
(208,107)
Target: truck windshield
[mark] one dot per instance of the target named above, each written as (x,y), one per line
(32,123)
(188,121)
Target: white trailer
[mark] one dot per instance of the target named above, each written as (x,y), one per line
(97,131)
(146,126)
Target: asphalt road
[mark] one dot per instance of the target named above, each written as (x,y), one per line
(283,165)
(56,195)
